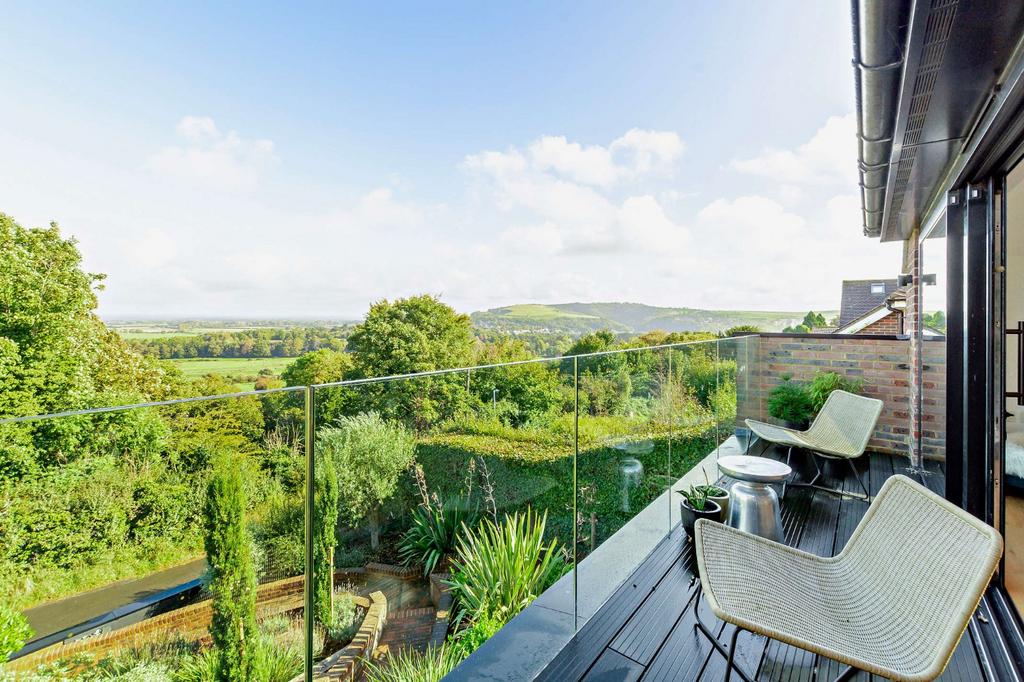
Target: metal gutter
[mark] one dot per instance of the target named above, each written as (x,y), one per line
(879,38)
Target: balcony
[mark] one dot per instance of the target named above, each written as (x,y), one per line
(646,628)
(621,431)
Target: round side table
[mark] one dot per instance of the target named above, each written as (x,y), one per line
(753,504)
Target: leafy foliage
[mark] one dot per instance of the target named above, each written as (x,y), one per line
(500,568)
(790,401)
(409,665)
(824,383)
(416,334)
(232,580)
(434,533)
(14,631)
(369,455)
(325,520)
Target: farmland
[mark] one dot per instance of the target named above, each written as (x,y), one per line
(240,371)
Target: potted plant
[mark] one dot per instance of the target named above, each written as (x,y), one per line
(696,505)
(825,382)
(716,494)
(790,402)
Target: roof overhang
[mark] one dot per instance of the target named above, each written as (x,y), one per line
(866,320)
(928,74)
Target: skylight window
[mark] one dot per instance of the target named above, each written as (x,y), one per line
(878,288)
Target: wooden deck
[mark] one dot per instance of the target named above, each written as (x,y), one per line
(645,631)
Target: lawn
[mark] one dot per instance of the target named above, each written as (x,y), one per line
(240,371)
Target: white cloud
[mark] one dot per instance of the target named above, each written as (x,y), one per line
(830,156)
(212,158)
(648,151)
(563,193)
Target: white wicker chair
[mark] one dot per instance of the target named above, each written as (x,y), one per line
(894,602)
(841,431)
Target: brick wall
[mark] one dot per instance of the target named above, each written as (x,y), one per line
(891,324)
(882,362)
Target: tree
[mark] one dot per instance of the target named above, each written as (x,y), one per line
(232,578)
(741,330)
(417,334)
(369,456)
(528,390)
(56,353)
(325,519)
(813,320)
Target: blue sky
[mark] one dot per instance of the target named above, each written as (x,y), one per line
(304,161)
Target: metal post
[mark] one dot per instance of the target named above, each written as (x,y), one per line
(308,586)
(575,493)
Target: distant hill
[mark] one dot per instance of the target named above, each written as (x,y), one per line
(628,318)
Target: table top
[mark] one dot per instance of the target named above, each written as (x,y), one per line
(754,469)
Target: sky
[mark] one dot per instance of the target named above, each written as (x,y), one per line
(304,161)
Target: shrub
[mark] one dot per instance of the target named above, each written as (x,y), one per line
(790,401)
(410,665)
(434,532)
(14,631)
(482,629)
(232,578)
(370,454)
(825,382)
(325,518)
(500,569)
(345,620)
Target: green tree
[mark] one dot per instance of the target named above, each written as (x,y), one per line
(14,631)
(528,390)
(325,520)
(321,366)
(55,353)
(813,320)
(416,334)
(232,578)
(741,330)
(369,456)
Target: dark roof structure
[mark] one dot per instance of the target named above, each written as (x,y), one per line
(861,296)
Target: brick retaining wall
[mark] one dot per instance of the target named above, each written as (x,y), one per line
(883,362)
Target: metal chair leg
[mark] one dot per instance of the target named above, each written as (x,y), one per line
(730,659)
(729,653)
(856,475)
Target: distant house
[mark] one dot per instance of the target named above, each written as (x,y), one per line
(872,306)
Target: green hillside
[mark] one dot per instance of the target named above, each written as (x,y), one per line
(628,318)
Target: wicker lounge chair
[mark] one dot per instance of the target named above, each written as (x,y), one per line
(840,432)
(894,602)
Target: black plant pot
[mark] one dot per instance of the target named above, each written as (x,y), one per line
(689,515)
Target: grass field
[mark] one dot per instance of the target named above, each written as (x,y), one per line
(236,370)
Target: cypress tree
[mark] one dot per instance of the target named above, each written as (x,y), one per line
(325,521)
(232,582)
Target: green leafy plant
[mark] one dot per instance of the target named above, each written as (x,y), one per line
(232,577)
(501,568)
(370,454)
(345,618)
(710,489)
(434,533)
(14,631)
(325,519)
(409,665)
(695,496)
(790,401)
(825,382)
(482,629)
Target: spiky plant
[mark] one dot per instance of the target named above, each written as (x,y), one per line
(501,568)
(434,533)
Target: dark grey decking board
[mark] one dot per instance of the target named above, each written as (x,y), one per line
(646,629)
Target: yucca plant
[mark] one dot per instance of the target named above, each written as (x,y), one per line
(499,569)
(409,665)
(434,533)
